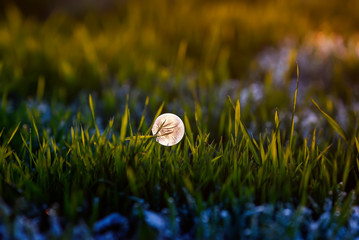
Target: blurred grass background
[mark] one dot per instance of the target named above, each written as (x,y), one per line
(190,54)
(151,45)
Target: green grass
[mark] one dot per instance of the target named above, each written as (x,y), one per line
(84,163)
(79,95)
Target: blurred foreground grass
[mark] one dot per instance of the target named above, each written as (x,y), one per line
(247,168)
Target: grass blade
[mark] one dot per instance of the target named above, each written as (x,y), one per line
(252,146)
(13,133)
(91,107)
(124,124)
(295,102)
(93,115)
(188,129)
(139,137)
(332,122)
(159,111)
(230,100)
(237,119)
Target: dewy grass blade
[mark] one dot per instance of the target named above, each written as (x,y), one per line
(332,122)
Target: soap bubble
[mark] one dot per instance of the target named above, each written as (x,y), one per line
(169,129)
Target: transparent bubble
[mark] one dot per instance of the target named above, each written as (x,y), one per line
(169,129)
